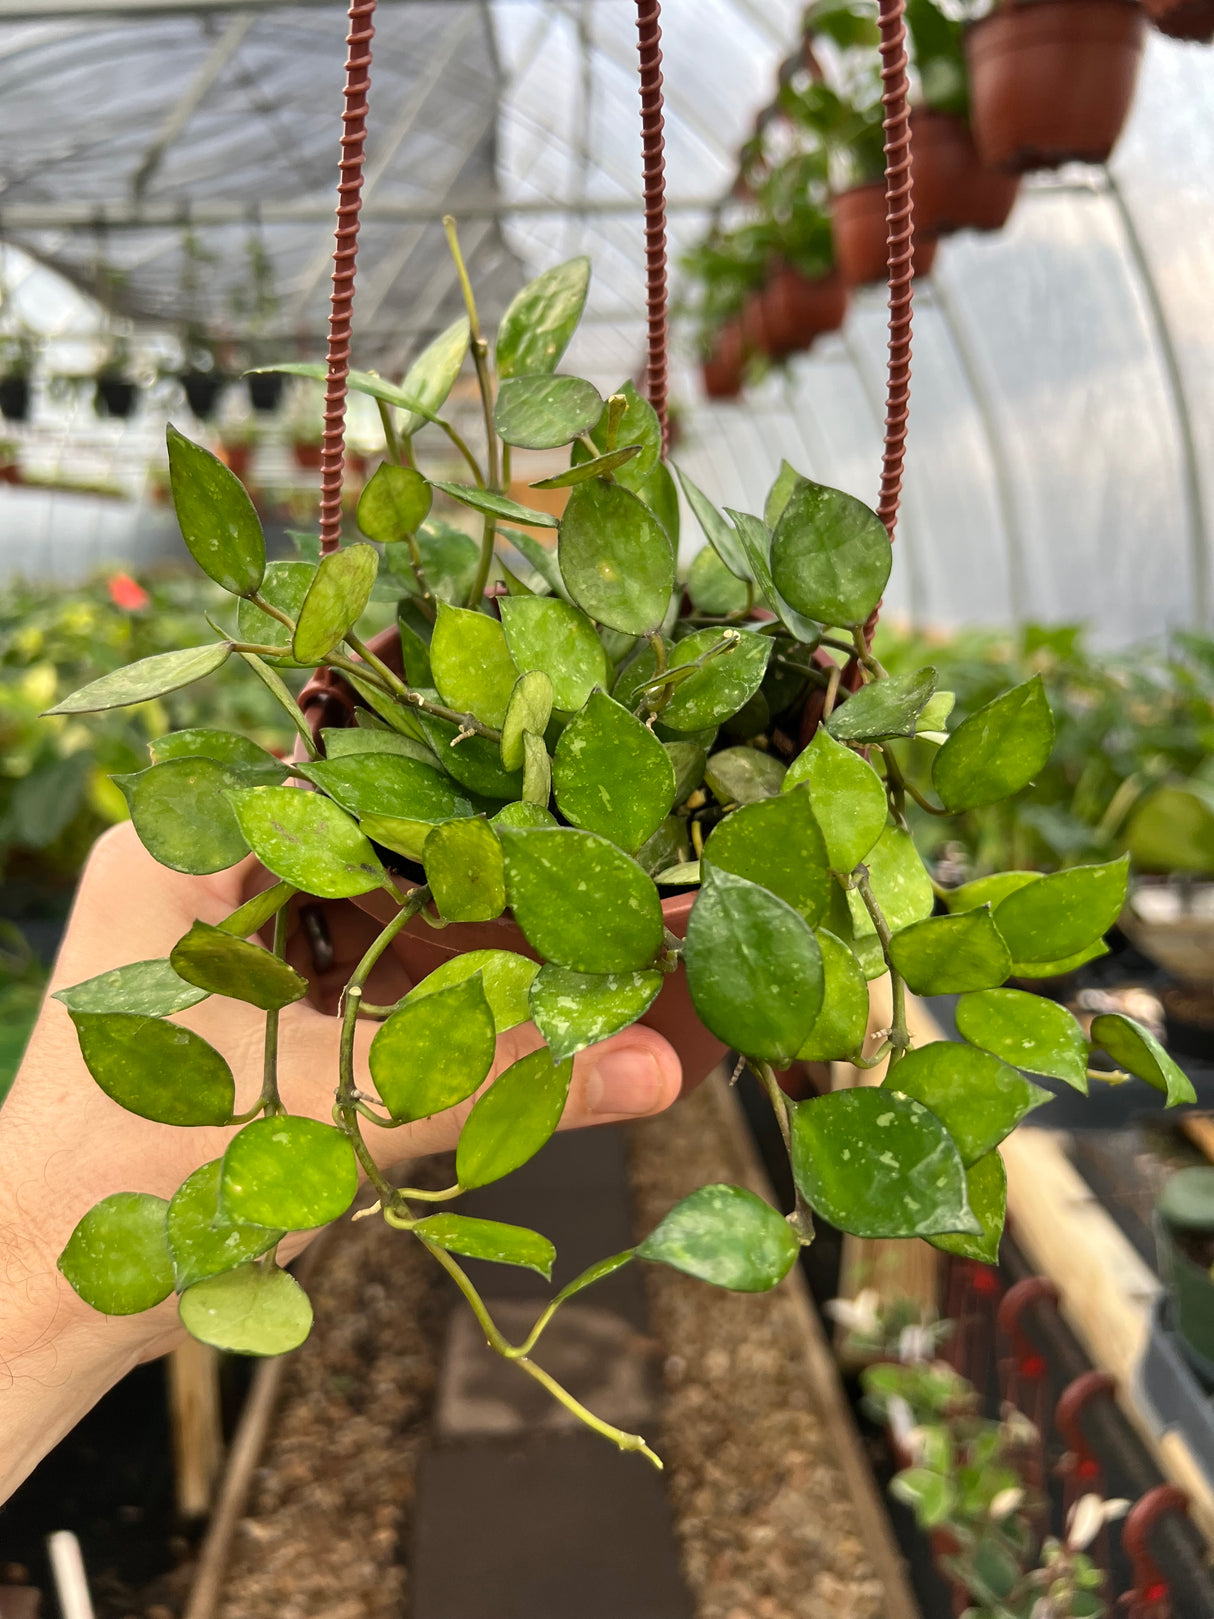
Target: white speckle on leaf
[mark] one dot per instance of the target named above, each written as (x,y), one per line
(884,1120)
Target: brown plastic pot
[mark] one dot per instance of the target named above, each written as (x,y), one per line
(1182,19)
(799,308)
(306,456)
(238,458)
(756,339)
(858,222)
(722,370)
(954,189)
(1051,82)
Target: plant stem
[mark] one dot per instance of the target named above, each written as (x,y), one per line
(802,1217)
(274,612)
(671,677)
(480,358)
(277,688)
(899,1034)
(396,687)
(474,465)
(269,1099)
(391,438)
(865,654)
(832,693)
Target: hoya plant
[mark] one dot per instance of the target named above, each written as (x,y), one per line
(654,789)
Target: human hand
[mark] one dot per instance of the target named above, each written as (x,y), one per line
(64,1144)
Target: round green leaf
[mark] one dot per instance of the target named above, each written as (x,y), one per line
(581,902)
(879,1164)
(219,522)
(388,784)
(949,955)
(986,1188)
(725,683)
(899,882)
(543,412)
(713,588)
(395,502)
(340,743)
(1172,829)
(615,558)
(545,633)
(307,840)
(449,560)
(290,1173)
(513,1119)
(285,586)
(529,709)
(117,1258)
(1064,912)
(223,965)
(432,375)
(488,1239)
(1061,965)
(505,979)
(463,861)
(181,812)
(150,677)
(492,504)
(251,1311)
(637,424)
(156,1069)
(743,775)
(998,750)
(977,1098)
(1139,1053)
(252,916)
(148,988)
(589,469)
(227,747)
(537,770)
(884,708)
(727,1236)
(846,795)
(780,493)
(988,890)
(1027,1031)
(612,775)
(575,1010)
(756,542)
(202,1241)
(754,969)
(839,1028)
(475,761)
(340,590)
(689,760)
(830,555)
(522,816)
(777,844)
(536,328)
(472,666)
(437,1048)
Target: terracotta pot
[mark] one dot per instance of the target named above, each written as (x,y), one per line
(722,370)
(10,472)
(954,189)
(306,456)
(1052,82)
(238,458)
(858,221)
(798,308)
(1182,19)
(756,339)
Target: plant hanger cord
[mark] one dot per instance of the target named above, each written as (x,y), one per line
(649,48)
(345,253)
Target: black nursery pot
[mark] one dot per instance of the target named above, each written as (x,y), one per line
(14,398)
(265,392)
(202,391)
(114,396)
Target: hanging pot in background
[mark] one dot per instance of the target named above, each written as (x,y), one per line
(798,308)
(722,370)
(1051,82)
(306,454)
(15,398)
(953,187)
(238,458)
(265,391)
(756,339)
(858,222)
(1182,19)
(202,391)
(114,396)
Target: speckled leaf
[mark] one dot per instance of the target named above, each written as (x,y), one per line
(254,1310)
(689,760)
(389,784)
(463,861)
(637,424)
(1027,1031)
(488,1239)
(223,965)
(505,980)
(1064,912)
(395,502)
(998,750)
(285,585)
(307,840)
(218,521)
(830,555)
(529,709)
(513,1119)
(472,666)
(335,601)
(612,775)
(756,543)
(226,747)
(743,775)
(147,988)
(839,1028)
(847,797)
(899,881)
(713,589)
(253,915)
(492,504)
(949,955)
(754,969)
(988,890)
(117,1259)
(202,1240)
(438,1047)
(668,845)
(725,683)
(475,762)
(883,708)
(182,815)
(575,1010)
(155,1069)
(340,744)
(290,1173)
(717,531)
(977,1098)
(581,902)
(523,816)
(589,469)
(1139,1053)
(537,771)
(879,1164)
(1060,967)
(780,493)
(432,375)
(543,412)
(150,677)
(449,561)
(727,1236)
(544,633)
(615,558)
(543,316)
(986,1188)
(777,844)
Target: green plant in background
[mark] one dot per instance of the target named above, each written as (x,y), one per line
(570,750)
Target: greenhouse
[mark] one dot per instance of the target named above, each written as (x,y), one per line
(594,563)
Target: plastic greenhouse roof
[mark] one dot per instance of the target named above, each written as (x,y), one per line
(1062,414)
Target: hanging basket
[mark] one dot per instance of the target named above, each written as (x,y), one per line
(799,308)
(858,222)
(1182,19)
(722,371)
(202,391)
(953,188)
(15,398)
(114,396)
(1052,82)
(265,391)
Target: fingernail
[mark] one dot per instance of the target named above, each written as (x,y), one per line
(624,1082)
